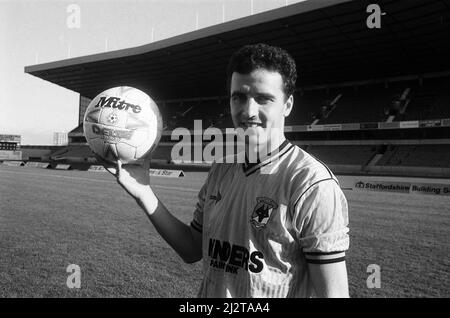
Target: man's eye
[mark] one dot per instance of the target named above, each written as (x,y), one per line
(238,98)
(263,100)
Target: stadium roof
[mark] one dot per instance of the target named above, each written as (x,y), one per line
(329,40)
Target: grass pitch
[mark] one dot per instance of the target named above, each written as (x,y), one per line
(50,219)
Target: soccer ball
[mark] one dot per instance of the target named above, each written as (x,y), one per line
(122,123)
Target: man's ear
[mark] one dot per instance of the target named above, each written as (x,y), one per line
(288,105)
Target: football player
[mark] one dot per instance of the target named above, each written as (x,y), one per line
(275,225)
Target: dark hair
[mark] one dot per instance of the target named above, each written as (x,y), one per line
(257,56)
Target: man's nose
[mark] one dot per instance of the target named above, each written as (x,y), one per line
(251,108)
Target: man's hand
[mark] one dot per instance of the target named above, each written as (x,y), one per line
(134,178)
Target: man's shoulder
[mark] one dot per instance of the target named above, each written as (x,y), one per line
(306,166)
(307,171)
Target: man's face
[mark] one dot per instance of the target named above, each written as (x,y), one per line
(258,106)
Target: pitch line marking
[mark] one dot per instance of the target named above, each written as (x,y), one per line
(95,180)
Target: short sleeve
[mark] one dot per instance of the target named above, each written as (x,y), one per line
(321,222)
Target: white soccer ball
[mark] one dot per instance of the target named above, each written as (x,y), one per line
(124,123)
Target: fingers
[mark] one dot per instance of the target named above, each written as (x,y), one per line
(119,166)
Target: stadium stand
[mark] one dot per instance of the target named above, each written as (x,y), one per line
(174,114)
(377,78)
(38,153)
(363,103)
(354,104)
(306,105)
(212,112)
(205,111)
(345,154)
(430,100)
(162,153)
(73,154)
(417,156)
(442,105)
(76,136)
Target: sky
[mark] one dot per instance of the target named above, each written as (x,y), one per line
(36,31)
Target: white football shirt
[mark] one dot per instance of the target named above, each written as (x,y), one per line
(262,223)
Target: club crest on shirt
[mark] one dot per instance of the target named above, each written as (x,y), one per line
(262,211)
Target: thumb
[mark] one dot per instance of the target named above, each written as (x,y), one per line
(119,167)
(115,170)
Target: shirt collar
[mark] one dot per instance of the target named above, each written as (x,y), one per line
(249,168)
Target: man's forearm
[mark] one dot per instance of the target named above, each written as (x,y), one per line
(330,280)
(176,233)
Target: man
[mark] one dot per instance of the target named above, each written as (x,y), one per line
(274,226)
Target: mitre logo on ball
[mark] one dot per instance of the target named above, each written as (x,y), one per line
(122,123)
(116,102)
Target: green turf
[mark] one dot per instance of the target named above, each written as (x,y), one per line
(50,219)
